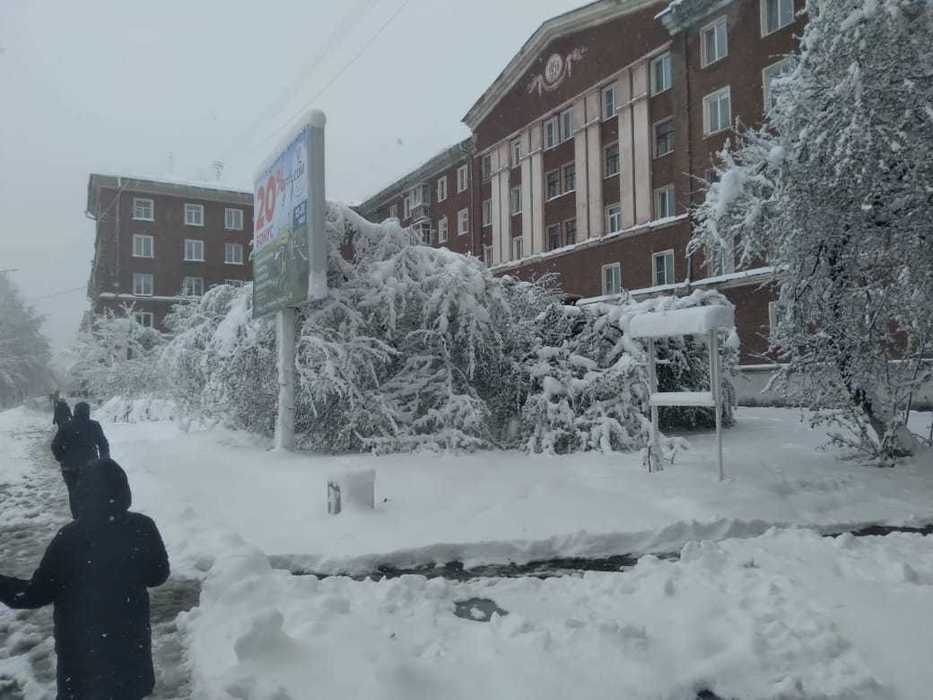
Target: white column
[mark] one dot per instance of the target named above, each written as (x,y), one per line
(641,130)
(626,152)
(594,169)
(501,161)
(536,179)
(494,204)
(583,115)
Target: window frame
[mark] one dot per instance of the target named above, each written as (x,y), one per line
(142,277)
(763,8)
(463,217)
(669,253)
(440,189)
(227,212)
(487,255)
(519,242)
(549,229)
(193,240)
(555,125)
(233,246)
(670,198)
(515,207)
(607,115)
(654,133)
(485,167)
(151,209)
(547,192)
(486,213)
(463,179)
(727,90)
(606,173)
(190,206)
(617,278)
(446,233)
(184,286)
(608,217)
(720,21)
(515,152)
(566,238)
(570,117)
(144,237)
(563,178)
(144,314)
(766,84)
(665,60)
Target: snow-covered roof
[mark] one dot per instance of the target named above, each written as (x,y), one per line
(168,185)
(697,320)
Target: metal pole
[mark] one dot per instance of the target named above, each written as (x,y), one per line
(317,204)
(714,371)
(655,462)
(285,341)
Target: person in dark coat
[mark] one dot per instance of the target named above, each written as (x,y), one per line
(62,413)
(76,444)
(96,572)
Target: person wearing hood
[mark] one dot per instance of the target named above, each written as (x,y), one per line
(96,573)
(61,413)
(77,443)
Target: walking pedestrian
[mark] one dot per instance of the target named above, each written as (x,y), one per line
(96,572)
(77,443)
(61,413)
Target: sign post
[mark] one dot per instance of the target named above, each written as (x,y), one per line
(290,249)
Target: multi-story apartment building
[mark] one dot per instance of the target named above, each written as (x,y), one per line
(159,242)
(590,147)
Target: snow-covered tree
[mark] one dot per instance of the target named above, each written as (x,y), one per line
(836,191)
(24,350)
(116,356)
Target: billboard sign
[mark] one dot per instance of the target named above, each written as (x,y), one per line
(281,227)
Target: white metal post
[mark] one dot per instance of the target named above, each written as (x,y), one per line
(655,460)
(714,372)
(317,235)
(285,341)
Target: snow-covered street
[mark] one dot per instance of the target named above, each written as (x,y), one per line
(751,608)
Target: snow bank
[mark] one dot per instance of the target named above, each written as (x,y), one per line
(787,614)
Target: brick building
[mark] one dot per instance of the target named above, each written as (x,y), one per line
(159,242)
(589,148)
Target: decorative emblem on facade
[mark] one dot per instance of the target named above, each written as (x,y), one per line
(556,70)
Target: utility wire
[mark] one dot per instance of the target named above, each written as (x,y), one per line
(58,294)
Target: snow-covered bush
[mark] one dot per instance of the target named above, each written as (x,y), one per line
(116,356)
(836,191)
(24,350)
(123,410)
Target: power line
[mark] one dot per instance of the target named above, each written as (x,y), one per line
(58,294)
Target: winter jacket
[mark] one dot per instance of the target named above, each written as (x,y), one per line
(80,441)
(62,413)
(96,571)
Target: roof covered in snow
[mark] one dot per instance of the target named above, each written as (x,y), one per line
(696,320)
(176,187)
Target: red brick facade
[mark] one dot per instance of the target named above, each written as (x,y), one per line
(564,69)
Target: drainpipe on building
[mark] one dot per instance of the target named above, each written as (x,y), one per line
(690,176)
(473,216)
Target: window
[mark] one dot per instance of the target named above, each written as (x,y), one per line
(570,232)
(143,209)
(192,287)
(661,73)
(613,218)
(194,214)
(233,253)
(567,125)
(463,222)
(517,248)
(612,278)
(442,189)
(462,180)
(775,15)
(487,254)
(664,204)
(516,152)
(406,207)
(550,133)
(663,138)
(423,229)
(717,111)
(142,284)
(233,219)
(570,177)
(393,211)
(442,230)
(611,160)
(487,212)
(609,102)
(515,200)
(142,246)
(553,237)
(714,42)
(663,264)
(552,184)
(194,250)
(485,166)
(144,318)
(769,75)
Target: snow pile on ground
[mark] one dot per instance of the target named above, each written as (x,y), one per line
(785,615)
(124,410)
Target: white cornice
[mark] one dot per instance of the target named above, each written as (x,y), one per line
(574,21)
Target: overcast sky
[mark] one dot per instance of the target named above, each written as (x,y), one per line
(168,87)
